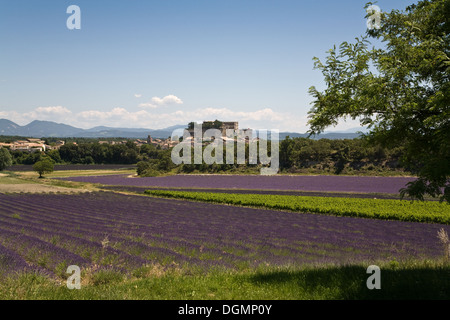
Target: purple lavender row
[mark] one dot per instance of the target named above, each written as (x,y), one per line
(215,225)
(37,253)
(32,229)
(220,227)
(254,235)
(10,261)
(358,184)
(64,242)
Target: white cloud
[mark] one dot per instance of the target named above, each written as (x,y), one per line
(118,115)
(265,118)
(260,119)
(162,102)
(137,95)
(148,105)
(52,111)
(170,99)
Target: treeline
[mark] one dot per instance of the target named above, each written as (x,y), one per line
(338,156)
(303,155)
(94,153)
(297,155)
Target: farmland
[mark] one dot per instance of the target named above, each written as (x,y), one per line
(359,184)
(16,184)
(366,208)
(127,232)
(225,150)
(121,239)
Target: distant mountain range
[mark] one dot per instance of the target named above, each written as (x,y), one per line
(48,129)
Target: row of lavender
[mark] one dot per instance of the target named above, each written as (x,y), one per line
(50,232)
(357,184)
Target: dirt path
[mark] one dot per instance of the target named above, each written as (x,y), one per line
(36,188)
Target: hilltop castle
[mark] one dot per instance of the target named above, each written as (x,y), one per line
(219,125)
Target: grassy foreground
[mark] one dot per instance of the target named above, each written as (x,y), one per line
(419,280)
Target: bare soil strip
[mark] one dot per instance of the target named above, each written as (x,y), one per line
(36,188)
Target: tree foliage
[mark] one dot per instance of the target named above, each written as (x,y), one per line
(5,159)
(90,153)
(400,91)
(43,166)
(325,156)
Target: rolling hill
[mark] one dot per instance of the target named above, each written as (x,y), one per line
(41,129)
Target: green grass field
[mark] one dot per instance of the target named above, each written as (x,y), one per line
(8,179)
(413,280)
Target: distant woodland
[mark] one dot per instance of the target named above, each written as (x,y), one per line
(297,155)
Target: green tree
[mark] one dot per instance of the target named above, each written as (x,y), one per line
(148,150)
(148,168)
(142,166)
(400,91)
(43,166)
(5,159)
(165,162)
(54,155)
(286,147)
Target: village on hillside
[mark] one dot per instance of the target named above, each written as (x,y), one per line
(31,145)
(39,145)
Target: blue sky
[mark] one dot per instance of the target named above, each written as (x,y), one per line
(159,63)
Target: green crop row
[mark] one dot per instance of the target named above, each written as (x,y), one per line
(429,211)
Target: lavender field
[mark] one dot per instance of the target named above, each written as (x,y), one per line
(105,230)
(357,184)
